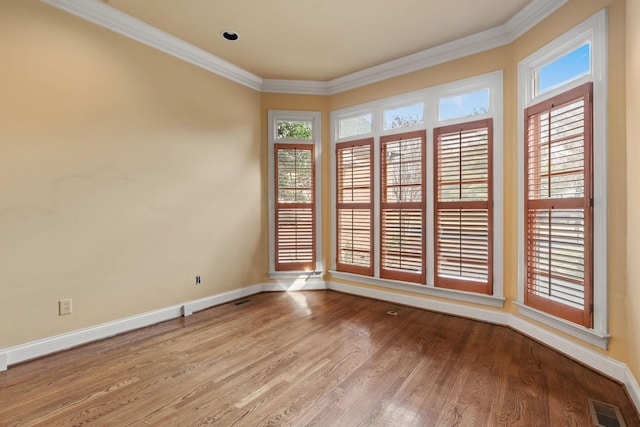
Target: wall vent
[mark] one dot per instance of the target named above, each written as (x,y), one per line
(605,415)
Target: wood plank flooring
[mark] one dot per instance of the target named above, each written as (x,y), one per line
(310,358)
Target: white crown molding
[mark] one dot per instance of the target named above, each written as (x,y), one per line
(529,16)
(298,87)
(108,17)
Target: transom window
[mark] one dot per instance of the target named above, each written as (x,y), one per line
(354,126)
(563,70)
(464,105)
(402,117)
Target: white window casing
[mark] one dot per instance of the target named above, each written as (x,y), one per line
(429,98)
(316,140)
(592,31)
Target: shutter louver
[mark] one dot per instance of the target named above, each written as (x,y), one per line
(463,206)
(558,205)
(403,207)
(295,207)
(355,206)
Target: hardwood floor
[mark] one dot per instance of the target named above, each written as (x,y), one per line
(310,358)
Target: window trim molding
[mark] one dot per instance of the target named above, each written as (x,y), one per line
(593,29)
(430,98)
(316,140)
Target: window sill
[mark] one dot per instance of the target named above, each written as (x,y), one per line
(482,299)
(597,338)
(298,274)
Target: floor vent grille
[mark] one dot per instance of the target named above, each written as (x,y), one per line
(242,301)
(605,415)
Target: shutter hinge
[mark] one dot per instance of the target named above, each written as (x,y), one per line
(591,202)
(590,308)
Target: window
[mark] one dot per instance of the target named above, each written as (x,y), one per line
(563,70)
(464,105)
(294,229)
(402,243)
(558,186)
(562,180)
(402,117)
(289,129)
(355,206)
(354,126)
(463,206)
(388,229)
(295,219)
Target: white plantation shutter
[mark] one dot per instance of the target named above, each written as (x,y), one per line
(355,206)
(463,206)
(402,231)
(295,207)
(558,205)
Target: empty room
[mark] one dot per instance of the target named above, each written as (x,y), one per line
(330,213)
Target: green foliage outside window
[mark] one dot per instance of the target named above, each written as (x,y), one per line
(293,130)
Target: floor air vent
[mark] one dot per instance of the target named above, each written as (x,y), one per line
(605,415)
(242,301)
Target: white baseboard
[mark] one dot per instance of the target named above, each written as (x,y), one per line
(633,388)
(595,360)
(64,341)
(191,307)
(39,348)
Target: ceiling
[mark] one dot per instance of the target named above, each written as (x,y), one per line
(318,40)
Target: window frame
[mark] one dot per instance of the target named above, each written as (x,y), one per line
(594,31)
(453,283)
(565,311)
(295,206)
(274,116)
(351,268)
(404,275)
(430,98)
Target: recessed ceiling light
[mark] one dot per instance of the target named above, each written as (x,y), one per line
(230,35)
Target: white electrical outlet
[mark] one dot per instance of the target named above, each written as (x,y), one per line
(64,307)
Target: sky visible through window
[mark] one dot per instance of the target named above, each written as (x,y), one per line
(573,65)
(468,104)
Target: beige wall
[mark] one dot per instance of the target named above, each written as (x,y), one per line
(124,173)
(633,178)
